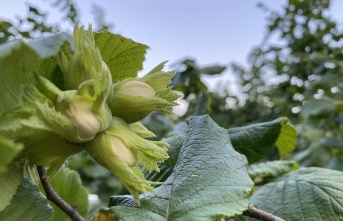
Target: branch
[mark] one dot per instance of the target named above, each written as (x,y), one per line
(55,198)
(260,214)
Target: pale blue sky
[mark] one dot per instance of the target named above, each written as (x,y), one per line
(211,31)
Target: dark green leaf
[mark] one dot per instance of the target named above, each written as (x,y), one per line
(210,179)
(312,194)
(255,141)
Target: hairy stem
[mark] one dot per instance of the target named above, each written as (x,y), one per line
(55,198)
(260,214)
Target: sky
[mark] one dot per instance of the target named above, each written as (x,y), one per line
(209,31)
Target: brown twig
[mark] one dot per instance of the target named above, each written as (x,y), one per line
(260,214)
(55,198)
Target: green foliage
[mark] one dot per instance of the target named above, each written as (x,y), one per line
(308,70)
(196,189)
(52,123)
(304,194)
(256,140)
(123,57)
(271,169)
(63,182)
(207,175)
(21,61)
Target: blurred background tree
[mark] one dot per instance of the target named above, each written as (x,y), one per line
(295,72)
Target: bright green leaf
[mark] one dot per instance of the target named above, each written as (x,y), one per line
(255,141)
(271,168)
(311,194)
(286,139)
(210,179)
(123,56)
(28,204)
(8,151)
(9,183)
(67,184)
(160,81)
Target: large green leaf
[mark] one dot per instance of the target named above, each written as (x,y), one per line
(305,194)
(209,180)
(28,204)
(123,56)
(255,141)
(9,183)
(67,184)
(8,151)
